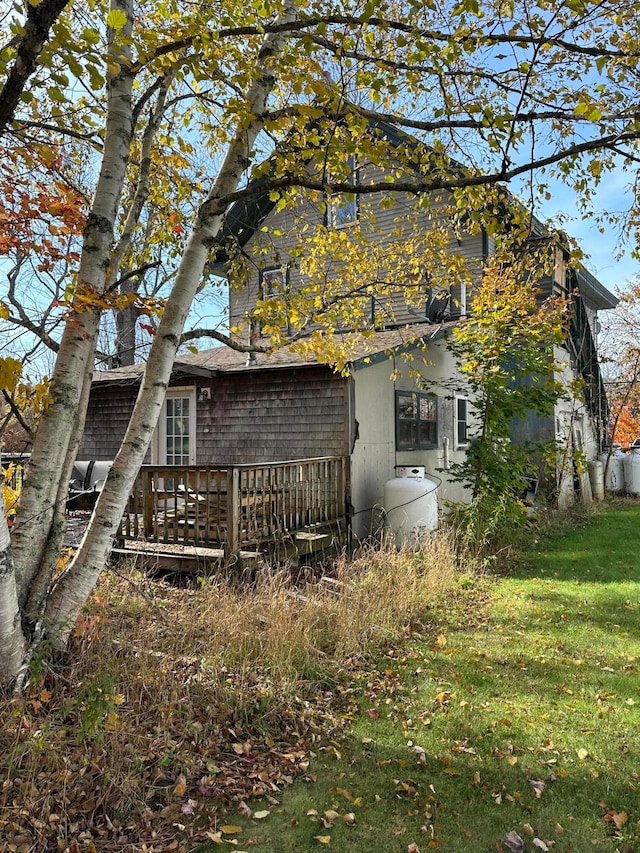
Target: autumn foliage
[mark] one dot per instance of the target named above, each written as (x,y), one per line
(41,213)
(627,426)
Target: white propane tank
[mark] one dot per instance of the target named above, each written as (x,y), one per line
(632,471)
(596,478)
(614,479)
(411,505)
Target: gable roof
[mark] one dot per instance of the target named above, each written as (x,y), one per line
(221,360)
(246,216)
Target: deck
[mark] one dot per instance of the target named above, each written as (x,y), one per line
(235,511)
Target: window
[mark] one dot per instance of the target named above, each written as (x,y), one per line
(274,284)
(175,435)
(273,281)
(343,209)
(461,426)
(177,431)
(416,420)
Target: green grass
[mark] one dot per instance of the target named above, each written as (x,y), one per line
(528,678)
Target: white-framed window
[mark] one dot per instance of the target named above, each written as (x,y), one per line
(273,281)
(274,284)
(416,420)
(461,421)
(175,438)
(342,208)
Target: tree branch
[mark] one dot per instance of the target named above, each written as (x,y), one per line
(40,19)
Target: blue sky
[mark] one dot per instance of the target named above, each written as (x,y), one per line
(602,248)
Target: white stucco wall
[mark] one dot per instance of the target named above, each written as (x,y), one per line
(375,456)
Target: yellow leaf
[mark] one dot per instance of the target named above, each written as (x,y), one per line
(181,787)
(323,839)
(116,19)
(581,753)
(230,829)
(10,371)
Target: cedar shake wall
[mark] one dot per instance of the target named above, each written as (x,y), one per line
(255,416)
(110,408)
(273,416)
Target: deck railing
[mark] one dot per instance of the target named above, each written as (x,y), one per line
(235,506)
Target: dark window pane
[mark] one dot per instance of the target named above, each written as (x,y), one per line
(427,433)
(406,434)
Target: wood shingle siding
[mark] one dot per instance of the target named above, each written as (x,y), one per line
(274,414)
(110,408)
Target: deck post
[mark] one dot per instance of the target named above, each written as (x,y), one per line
(146,480)
(234,512)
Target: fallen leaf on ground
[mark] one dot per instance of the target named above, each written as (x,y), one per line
(181,786)
(538,787)
(514,842)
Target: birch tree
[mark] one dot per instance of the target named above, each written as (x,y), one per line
(174,107)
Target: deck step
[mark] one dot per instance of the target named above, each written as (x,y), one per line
(309,543)
(179,557)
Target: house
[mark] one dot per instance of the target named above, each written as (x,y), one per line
(395,402)
(283,406)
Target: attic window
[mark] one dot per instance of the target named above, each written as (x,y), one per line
(342,208)
(274,290)
(416,420)
(273,281)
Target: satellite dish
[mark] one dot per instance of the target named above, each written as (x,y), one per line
(439,305)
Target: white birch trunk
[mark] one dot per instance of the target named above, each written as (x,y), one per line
(12,641)
(73,589)
(63,420)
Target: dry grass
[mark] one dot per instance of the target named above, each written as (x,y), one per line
(180,701)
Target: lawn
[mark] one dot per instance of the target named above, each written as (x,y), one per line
(399,705)
(508,724)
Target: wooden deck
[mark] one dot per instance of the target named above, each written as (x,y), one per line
(239,508)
